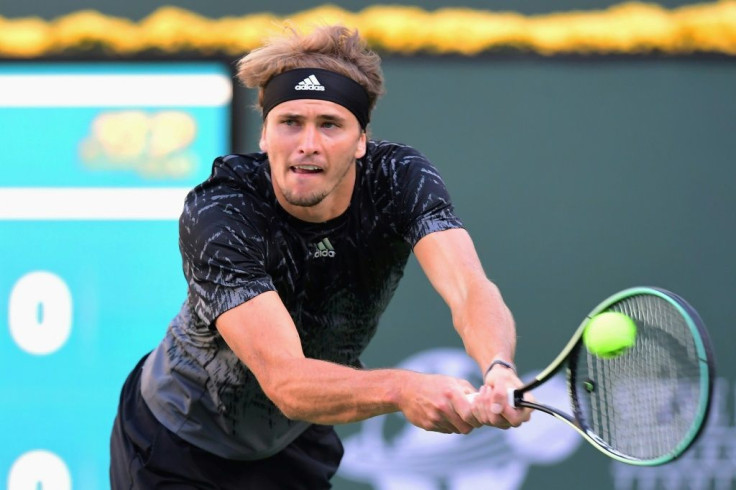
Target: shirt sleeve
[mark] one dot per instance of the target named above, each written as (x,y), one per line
(223,252)
(423,202)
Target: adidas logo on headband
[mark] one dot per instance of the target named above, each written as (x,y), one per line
(310,83)
(334,87)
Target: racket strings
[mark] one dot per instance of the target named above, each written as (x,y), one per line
(643,403)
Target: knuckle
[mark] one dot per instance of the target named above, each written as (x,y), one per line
(435,420)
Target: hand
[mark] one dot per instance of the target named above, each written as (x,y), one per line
(490,405)
(439,403)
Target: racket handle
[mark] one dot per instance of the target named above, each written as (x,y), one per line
(471,396)
(511,397)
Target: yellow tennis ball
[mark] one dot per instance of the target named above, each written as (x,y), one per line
(609,334)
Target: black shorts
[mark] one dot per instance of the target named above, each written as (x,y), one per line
(145,455)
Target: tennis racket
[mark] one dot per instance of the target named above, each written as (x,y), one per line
(647,406)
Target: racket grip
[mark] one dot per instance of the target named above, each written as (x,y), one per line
(512,397)
(511,393)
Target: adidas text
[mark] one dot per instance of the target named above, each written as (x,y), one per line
(323,249)
(310,83)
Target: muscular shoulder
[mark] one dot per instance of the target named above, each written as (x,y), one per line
(385,157)
(401,170)
(401,167)
(234,199)
(406,186)
(245,174)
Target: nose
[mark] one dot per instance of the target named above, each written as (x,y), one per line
(309,141)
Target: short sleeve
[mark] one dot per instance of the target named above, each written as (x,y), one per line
(223,251)
(423,202)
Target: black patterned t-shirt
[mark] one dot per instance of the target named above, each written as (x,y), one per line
(335,279)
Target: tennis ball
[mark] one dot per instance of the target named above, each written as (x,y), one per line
(609,334)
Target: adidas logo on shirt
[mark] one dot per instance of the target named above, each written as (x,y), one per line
(310,83)
(323,248)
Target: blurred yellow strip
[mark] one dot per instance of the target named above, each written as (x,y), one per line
(628,28)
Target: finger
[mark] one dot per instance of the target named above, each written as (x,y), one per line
(443,429)
(500,413)
(458,424)
(508,409)
(483,409)
(522,414)
(447,419)
(464,408)
(527,412)
(516,416)
(479,406)
(500,402)
(439,424)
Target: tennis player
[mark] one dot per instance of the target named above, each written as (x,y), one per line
(291,256)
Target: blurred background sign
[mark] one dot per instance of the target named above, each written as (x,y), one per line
(96,160)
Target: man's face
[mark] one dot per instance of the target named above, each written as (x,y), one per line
(312,146)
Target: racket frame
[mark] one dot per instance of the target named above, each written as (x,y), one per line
(564,359)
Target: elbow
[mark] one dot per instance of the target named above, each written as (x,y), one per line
(299,413)
(281,399)
(291,411)
(310,408)
(290,405)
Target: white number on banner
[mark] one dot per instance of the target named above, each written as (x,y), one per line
(39,469)
(40,313)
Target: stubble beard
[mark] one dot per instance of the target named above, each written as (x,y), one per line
(304,201)
(316,197)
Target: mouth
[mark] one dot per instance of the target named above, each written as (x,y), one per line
(306,169)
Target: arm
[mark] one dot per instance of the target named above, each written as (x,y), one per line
(480,316)
(264,337)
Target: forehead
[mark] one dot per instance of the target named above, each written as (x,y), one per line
(312,108)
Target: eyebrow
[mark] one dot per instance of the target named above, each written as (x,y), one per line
(321,117)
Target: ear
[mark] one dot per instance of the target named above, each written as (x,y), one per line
(262,142)
(360,150)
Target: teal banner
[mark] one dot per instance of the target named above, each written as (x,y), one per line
(96,160)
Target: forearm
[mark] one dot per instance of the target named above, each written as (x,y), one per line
(324,392)
(479,313)
(485,324)
(327,393)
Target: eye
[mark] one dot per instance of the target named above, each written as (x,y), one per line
(289,121)
(329,125)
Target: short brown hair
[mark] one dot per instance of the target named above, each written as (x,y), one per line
(335,48)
